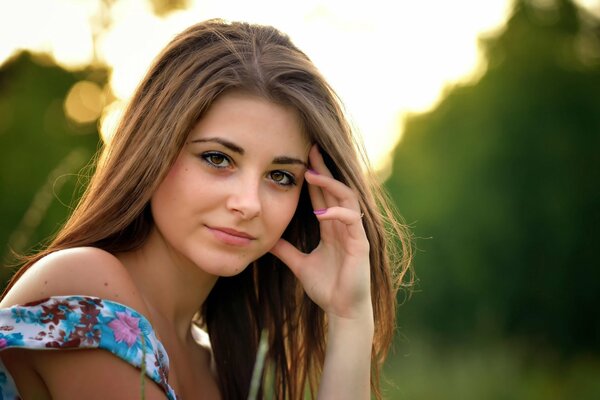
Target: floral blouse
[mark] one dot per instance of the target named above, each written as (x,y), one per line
(68,322)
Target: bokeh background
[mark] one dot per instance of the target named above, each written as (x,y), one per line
(482,118)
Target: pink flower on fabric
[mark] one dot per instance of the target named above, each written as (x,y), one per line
(3,343)
(125,327)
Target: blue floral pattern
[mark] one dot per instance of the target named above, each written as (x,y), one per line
(67,322)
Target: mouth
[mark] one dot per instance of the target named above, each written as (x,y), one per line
(231,236)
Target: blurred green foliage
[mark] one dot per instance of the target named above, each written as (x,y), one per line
(495,371)
(41,151)
(501,184)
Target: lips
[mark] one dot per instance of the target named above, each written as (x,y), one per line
(231,236)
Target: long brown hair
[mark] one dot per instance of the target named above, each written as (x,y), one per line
(200,64)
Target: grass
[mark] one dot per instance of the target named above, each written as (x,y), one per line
(419,371)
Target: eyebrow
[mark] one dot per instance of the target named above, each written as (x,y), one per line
(289,160)
(234,147)
(231,146)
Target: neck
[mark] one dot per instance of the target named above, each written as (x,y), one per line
(173,288)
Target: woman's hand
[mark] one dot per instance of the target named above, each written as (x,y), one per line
(336,274)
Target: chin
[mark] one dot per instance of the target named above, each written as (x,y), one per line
(223,266)
(229,272)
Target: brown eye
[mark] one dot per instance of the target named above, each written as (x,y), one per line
(282,178)
(216,159)
(277,176)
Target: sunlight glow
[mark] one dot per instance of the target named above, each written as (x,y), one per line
(386,60)
(60,28)
(84,102)
(593,6)
(109,120)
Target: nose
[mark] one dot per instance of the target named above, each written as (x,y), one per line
(244,198)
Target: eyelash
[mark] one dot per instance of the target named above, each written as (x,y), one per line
(206,157)
(291,178)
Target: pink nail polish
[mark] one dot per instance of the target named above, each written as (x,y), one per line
(320,211)
(312,171)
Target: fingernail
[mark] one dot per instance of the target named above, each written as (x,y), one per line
(320,211)
(312,171)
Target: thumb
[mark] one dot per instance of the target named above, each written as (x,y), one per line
(289,255)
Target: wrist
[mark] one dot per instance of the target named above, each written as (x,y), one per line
(359,325)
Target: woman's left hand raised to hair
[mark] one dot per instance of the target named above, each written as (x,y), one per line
(336,274)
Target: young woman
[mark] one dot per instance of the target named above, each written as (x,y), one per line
(231,198)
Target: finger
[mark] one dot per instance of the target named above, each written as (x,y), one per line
(289,255)
(318,203)
(351,218)
(316,193)
(318,167)
(317,162)
(342,193)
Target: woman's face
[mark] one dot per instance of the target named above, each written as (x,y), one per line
(235,185)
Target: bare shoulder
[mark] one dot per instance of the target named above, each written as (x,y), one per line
(87,271)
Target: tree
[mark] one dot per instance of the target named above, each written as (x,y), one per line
(500,182)
(41,151)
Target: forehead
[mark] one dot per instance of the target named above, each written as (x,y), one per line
(251,120)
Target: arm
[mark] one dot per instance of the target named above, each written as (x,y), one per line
(346,373)
(336,276)
(91,374)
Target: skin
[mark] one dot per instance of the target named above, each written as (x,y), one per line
(336,276)
(225,202)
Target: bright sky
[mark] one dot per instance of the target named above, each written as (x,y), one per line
(385,58)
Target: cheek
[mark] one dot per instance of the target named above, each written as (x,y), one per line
(167,191)
(280,213)
(173,195)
